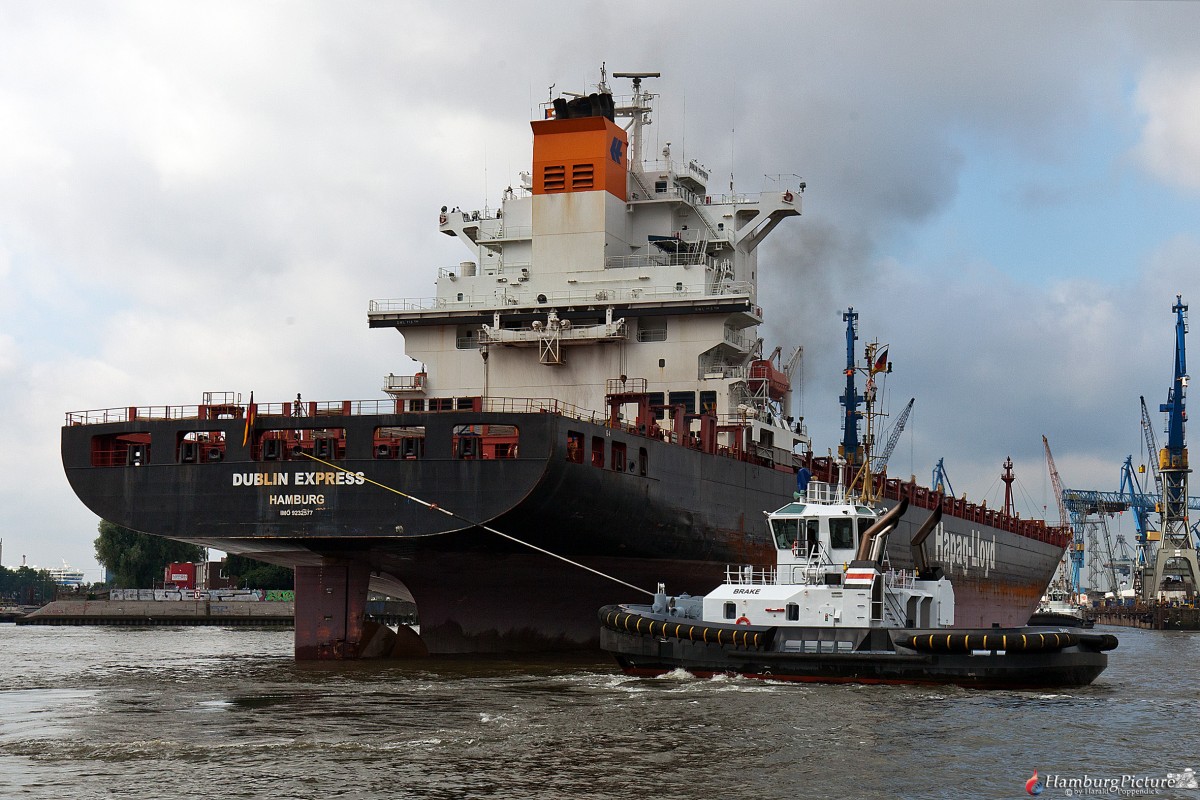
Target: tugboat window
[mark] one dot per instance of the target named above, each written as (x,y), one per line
(814,537)
(841,534)
(787,532)
(730,610)
(793,612)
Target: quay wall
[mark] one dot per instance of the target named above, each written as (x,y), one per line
(1157,617)
(162,612)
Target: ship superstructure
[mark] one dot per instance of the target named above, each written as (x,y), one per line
(605,274)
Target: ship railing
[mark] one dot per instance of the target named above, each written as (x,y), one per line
(507,232)
(402,304)
(546,405)
(716,370)
(825,493)
(826,469)
(899,579)
(509,295)
(650,260)
(737,339)
(748,575)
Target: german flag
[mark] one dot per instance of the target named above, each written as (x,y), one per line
(251,410)
(881,362)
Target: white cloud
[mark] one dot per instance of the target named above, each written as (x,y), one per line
(1169,97)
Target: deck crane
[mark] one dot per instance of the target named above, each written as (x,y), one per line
(879,463)
(1175,560)
(1064,519)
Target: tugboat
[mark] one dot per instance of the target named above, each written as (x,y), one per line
(1056,608)
(832,609)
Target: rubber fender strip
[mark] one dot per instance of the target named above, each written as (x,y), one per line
(1100,641)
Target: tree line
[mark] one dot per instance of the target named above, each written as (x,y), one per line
(26,586)
(136,560)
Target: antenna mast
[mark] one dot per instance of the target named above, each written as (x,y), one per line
(639,111)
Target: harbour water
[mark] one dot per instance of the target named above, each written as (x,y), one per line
(224,713)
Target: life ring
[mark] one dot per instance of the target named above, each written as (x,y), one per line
(442,219)
(787,197)
(742,621)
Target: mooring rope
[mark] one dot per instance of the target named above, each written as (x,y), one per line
(489,529)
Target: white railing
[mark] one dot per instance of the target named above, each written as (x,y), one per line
(507,232)
(513,295)
(745,575)
(651,260)
(823,493)
(737,339)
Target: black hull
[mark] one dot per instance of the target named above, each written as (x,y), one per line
(1059,620)
(671,514)
(643,646)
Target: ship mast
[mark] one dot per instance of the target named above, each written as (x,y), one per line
(855,453)
(1008,477)
(638,111)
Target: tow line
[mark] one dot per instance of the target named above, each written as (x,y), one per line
(489,529)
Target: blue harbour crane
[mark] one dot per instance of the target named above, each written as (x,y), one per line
(941,481)
(851,450)
(1175,566)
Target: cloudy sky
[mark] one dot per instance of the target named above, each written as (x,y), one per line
(204,197)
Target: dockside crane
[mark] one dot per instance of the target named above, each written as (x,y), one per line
(879,464)
(1076,552)
(1175,562)
(1131,488)
(941,481)
(1151,449)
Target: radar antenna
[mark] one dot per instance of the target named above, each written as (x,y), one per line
(639,111)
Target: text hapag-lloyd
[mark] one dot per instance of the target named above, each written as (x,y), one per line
(299,479)
(964,551)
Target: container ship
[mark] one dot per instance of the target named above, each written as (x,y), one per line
(592,388)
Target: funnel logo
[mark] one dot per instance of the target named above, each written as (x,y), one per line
(614,150)
(1033,785)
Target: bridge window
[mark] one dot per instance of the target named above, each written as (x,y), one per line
(708,402)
